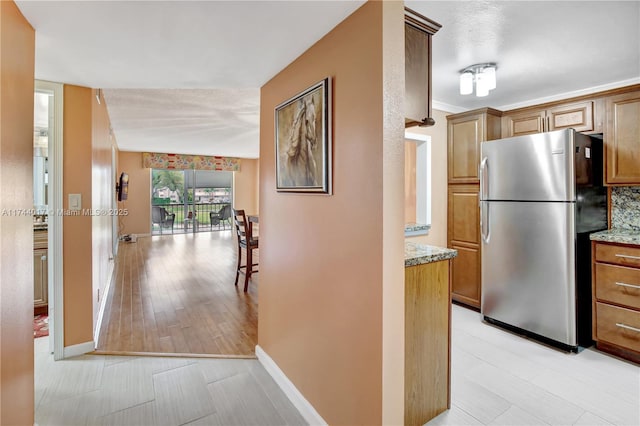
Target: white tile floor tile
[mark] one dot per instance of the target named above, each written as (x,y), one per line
(493,369)
(498,378)
(141,391)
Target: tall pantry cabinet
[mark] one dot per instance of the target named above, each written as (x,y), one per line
(465,133)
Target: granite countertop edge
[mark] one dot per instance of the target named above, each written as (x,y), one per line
(622,236)
(420,254)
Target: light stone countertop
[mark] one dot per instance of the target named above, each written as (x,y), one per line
(619,235)
(419,254)
(416,228)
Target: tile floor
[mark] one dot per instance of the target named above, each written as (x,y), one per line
(497,379)
(118,390)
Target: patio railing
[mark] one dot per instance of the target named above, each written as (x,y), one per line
(202,211)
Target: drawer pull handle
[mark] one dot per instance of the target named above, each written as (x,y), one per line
(628,327)
(628,285)
(627,256)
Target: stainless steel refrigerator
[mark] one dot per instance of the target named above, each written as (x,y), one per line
(540,197)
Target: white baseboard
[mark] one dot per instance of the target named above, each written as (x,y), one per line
(295,396)
(103,301)
(79,349)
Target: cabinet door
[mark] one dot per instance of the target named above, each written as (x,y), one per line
(622,139)
(465,276)
(464,236)
(464,137)
(40,277)
(578,116)
(417,69)
(525,123)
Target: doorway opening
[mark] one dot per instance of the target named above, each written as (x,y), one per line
(47,202)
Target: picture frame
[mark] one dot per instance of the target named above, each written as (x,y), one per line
(303,141)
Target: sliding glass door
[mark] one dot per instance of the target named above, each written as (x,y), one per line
(190,201)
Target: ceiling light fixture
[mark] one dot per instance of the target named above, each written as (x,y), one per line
(484,76)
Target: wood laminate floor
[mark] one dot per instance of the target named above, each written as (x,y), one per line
(175,294)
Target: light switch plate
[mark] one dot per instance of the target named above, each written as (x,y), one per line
(75,201)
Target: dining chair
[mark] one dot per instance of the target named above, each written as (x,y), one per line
(246,242)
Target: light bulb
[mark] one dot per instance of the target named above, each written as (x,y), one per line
(466,83)
(489,75)
(482,86)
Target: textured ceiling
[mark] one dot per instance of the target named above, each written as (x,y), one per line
(224,51)
(545,50)
(222,122)
(184,76)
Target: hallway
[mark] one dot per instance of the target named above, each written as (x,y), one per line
(174,294)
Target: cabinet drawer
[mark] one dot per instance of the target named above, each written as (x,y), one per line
(620,255)
(619,326)
(618,284)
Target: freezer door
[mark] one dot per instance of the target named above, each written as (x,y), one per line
(530,168)
(528,267)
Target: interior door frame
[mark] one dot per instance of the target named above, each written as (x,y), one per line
(55,206)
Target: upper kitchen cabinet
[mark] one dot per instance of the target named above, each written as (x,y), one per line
(577,115)
(465,133)
(418,30)
(622,139)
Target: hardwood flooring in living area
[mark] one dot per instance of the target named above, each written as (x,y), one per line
(175,294)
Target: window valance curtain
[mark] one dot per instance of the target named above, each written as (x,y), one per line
(155,160)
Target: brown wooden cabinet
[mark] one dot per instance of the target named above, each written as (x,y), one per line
(616,299)
(466,133)
(464,235)
(418,30)
(577,115)
(622,139)
(427,365)
(40,272)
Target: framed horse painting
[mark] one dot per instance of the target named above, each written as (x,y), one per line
(303,141)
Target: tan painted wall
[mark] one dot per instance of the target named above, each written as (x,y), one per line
(245,186)
(17,55)
(438,233)
(102,193)
(77,230)
(393,214)
(138,203)
(322,261)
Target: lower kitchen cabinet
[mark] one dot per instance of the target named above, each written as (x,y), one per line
(40,272)
(427,370)
(463,234)
(616,299)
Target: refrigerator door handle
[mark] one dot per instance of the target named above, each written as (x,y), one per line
(484,194)
(485,231)
(484,178)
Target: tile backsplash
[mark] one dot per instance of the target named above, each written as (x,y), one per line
(625,207)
